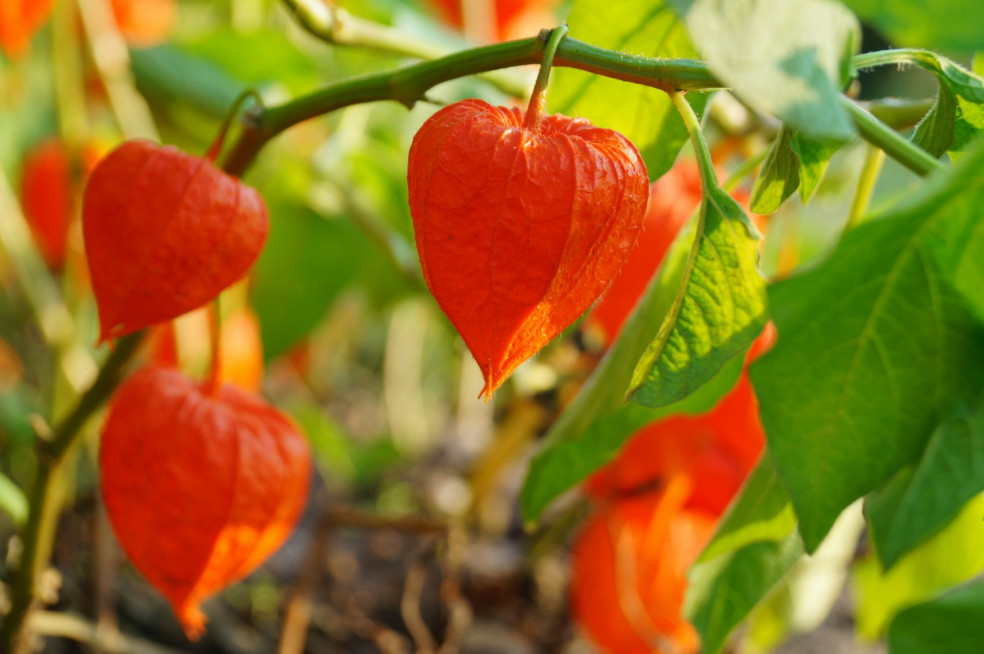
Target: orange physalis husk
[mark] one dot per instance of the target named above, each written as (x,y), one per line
(19,20)
(165,232)
(630,571)
(144,23)
(201,485)
(717,448)
(519,229)
(657,505)
(46,193)
(240,359)
(511,19)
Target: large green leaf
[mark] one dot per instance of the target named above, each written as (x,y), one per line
(718,312)
(784,58)
(953,556)
(725,589)
(761,512)
(873,352)
(943,24)
(950,623)
(918,503)
(643,114)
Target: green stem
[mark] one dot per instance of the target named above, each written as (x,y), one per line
(50,454)
(896,146)
(408,85)
(708,178)
(538,98)
(216,147)
(873,160)
(913,56)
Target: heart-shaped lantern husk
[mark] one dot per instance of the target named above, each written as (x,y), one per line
(165,232)
(201,483)
(520,227)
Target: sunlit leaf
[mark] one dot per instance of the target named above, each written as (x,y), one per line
(592,428)
(918,503)
(957,116)
(779,177)
(950,623)
(723,590)
(954,555)
(760,512)
(644,115)
(952,25)
(872,352)
(813,158)
(719,311)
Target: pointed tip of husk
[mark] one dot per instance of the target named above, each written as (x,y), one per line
(192,621)
(492,384)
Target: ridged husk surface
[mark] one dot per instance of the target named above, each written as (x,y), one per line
(519,230)
(200,487)
(165,232)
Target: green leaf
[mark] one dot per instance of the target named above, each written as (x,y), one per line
(948,25)
(724,590)
(306,263)
(12,500)
(919,502)
(166,72)
(760,512)
(779,177)
(783,58)
(595,425)
(934,133)
(642,114)
(718,312)
(957,116)
(574,450)
(951,557)
(950,623)
(813,159)
(873,351)
(794,162)
(959,253)
(282,62)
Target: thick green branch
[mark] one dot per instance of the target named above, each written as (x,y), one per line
(408,85)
